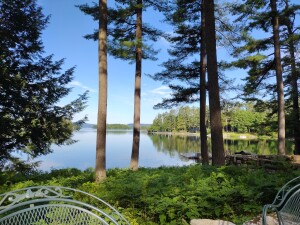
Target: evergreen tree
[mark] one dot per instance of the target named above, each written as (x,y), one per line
(31,87)
(279,79)
(203,63)
(291,37)
(188,58)
(263,16)
(187,19)
(127,37)
(137,87)
(218,157)
(102,98)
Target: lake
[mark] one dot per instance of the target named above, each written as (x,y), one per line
(155,150)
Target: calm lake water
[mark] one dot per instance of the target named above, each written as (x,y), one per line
(155,150)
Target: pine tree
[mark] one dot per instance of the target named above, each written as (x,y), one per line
(31,87)
(185,17)
(188,42)
(218,157)
(264,15)
(203,63)
(291,36)
(187,65)
(127,38)
(137,88)
(279,79)
(102,99)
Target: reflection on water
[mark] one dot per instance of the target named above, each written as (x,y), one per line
(173,144)
(82,154)
(184,144)
(260,147)
(155,150)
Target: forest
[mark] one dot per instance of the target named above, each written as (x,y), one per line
(262,38)
(116,127)
(240,118)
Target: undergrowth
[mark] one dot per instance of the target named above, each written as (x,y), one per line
(170,195)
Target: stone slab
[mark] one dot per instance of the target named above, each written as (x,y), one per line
(210,222)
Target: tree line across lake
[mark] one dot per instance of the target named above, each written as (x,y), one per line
(236,117)
(118,126)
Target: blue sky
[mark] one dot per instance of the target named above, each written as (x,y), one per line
(64,38)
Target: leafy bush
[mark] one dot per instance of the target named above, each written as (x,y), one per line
(173,195)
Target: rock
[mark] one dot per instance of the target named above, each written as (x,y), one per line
(271,220)
(210,222)
(296,158)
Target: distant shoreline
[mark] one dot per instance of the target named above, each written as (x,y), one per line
(175,133)
(225,135)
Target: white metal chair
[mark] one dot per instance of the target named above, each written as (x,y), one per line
(286,204)
(53,205)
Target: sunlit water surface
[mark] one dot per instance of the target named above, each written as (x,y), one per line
(155,150)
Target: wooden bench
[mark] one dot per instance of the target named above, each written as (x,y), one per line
(53,205)
(286,205)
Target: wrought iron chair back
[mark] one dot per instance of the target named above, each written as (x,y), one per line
(286,204)
(53,205)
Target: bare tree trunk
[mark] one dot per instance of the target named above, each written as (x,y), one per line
(137,89)
(218,157)
(294,84)
(278,67)
(203,132)
(102,99)
(295,99)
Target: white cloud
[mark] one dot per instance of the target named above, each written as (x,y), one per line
(154,96)
(80,85)
(162,90)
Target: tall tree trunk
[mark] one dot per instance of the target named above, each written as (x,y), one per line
(294,84)
(278,67)
(137,89)
(102,99)
(203,132)
(218,157)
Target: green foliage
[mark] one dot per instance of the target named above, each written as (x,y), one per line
(253,54)
(247,121)
(181,72)
(117,127)
(237,117)
(182,120)
(173,195)
(32,86)
(69,177)
(122,41)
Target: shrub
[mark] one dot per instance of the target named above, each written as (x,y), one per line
(173,195)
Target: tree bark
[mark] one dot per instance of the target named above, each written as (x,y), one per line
(102,99)
(218,157)
(279,80)
(294,85)
(137,89)
(203,64)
